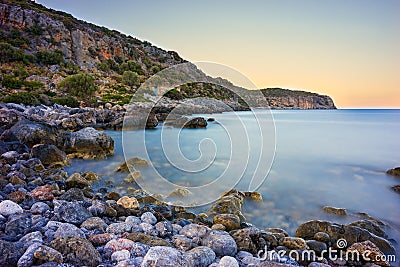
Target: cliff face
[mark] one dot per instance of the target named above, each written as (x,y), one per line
(278,98)
(301,102)
(41,46)
(82,43)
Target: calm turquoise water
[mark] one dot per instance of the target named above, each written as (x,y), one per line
(336,158)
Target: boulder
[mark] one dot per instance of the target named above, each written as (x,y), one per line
(8,207)
(8,117)
(50,155)
(352,234)
(200,256)
(248,239)
(10,253)
(44,254)
(229,203)
(147,239)
(77,251)
(221,243)
(13,146)
(395,171)
(164,256)
(230,221)
(77,181)
(371,227)
(32,133)
(71,212)
(369,249)
(87,143)
(334,210)
(131,164)
(396,188)
(294,243)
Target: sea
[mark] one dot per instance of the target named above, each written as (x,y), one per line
(298,160)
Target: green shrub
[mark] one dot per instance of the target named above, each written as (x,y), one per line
(79,85)
(21,72)
(50,93)
(66,101)
(174,94)
(131,65)
(130,78)
(11,82)
(33,85)
(35,30)
(49,58)
(103,66)
(26,98)
(8,53)
(154,69)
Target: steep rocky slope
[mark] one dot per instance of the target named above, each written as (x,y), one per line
(40,47)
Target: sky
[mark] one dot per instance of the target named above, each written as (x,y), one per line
(349,50)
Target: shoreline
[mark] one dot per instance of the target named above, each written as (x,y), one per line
(45,213)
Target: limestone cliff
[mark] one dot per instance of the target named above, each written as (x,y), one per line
(39,47)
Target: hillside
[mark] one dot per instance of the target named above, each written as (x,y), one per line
(48,56)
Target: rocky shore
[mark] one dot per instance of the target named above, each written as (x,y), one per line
(51,218)
(111,117)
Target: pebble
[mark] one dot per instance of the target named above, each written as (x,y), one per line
(68,230)
(39,208)
(8,207)
(164,256)
(200,256)
(228,261)
(182,242)
(149,218)
(27,258)
(120,255)
(71,212)
(194,230)
(94,223)
(221,243)
(118,228)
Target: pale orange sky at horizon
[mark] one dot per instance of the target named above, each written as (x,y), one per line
(349,50)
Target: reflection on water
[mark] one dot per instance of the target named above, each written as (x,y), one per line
(336,158)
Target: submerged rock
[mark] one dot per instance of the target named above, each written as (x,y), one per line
(131,163)
(334,210)
(229,203)
(395,171)
(396,188)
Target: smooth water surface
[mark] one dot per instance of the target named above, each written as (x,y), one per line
(334,157)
